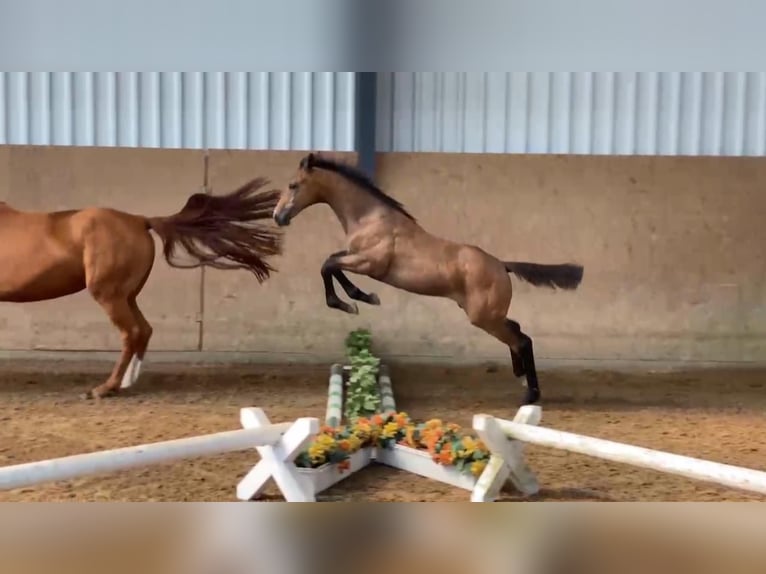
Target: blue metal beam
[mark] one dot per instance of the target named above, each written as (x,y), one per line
(366,116)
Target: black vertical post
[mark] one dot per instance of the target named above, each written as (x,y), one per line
(366,117)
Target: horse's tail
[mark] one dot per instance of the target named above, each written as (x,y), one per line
(564,276)
(221,231)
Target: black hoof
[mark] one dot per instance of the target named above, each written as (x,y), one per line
(373,299)
(531,397)
(87,396)
(368,298)
(350,308)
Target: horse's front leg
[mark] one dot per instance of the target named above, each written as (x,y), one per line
(333,267)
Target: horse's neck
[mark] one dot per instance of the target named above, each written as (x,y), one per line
(351,205)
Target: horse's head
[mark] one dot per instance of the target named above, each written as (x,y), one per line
(303,190)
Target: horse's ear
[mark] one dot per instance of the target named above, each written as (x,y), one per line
(308,162)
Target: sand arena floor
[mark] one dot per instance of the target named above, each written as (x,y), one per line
(718,415)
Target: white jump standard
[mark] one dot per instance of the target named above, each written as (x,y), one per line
(278,445)
(498,434)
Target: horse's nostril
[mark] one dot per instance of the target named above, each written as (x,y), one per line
(282,219)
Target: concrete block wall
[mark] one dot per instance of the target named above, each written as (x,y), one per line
(672,247)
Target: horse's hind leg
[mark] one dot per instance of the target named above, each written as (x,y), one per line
(114,275)
(522,353)
(518,362)
(524,361)
(142,343)
(122,316)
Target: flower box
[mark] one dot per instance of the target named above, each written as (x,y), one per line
(420,462)
(321,478)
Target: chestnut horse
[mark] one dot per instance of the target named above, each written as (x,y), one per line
(385,243)
(111,253)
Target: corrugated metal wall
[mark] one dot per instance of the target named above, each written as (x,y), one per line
(247,110)
(668,113)
(646,113)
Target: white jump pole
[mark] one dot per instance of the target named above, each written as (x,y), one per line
(387,401)
(334,413)
(693,468)
(34,473)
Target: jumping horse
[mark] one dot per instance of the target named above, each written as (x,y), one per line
(48,255)
(385,243)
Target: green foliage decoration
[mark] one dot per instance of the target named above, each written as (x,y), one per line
(362,394)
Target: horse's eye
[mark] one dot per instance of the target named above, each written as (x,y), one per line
(293,186)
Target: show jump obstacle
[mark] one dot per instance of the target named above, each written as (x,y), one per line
(506,439)
(501,434)
(279,445)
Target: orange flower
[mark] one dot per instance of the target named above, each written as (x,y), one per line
(409,437)
(377,420)
(344,465)
(430,444)
(446,456)
(432,435)
(344,445)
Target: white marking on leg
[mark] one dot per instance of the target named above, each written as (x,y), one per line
(131,373)
(523,380)
(136,369)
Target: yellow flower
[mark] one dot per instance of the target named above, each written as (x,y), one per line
(478,466)
(469,447)
(401,419)
(409,436)
(355,443)
(317,454)
(390,430)
(363,430)
(325,440)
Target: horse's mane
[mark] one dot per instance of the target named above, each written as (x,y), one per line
(357,176)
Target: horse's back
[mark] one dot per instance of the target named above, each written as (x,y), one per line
(116,224)
(44,255)
(37,260)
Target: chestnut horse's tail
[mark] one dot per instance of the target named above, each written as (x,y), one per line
(564,276)
(221,231)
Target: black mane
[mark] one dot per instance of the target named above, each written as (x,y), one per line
(360,178)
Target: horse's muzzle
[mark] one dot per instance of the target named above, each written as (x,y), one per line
(282,218)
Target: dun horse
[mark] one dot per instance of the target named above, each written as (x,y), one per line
(111,253)
(384,242)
